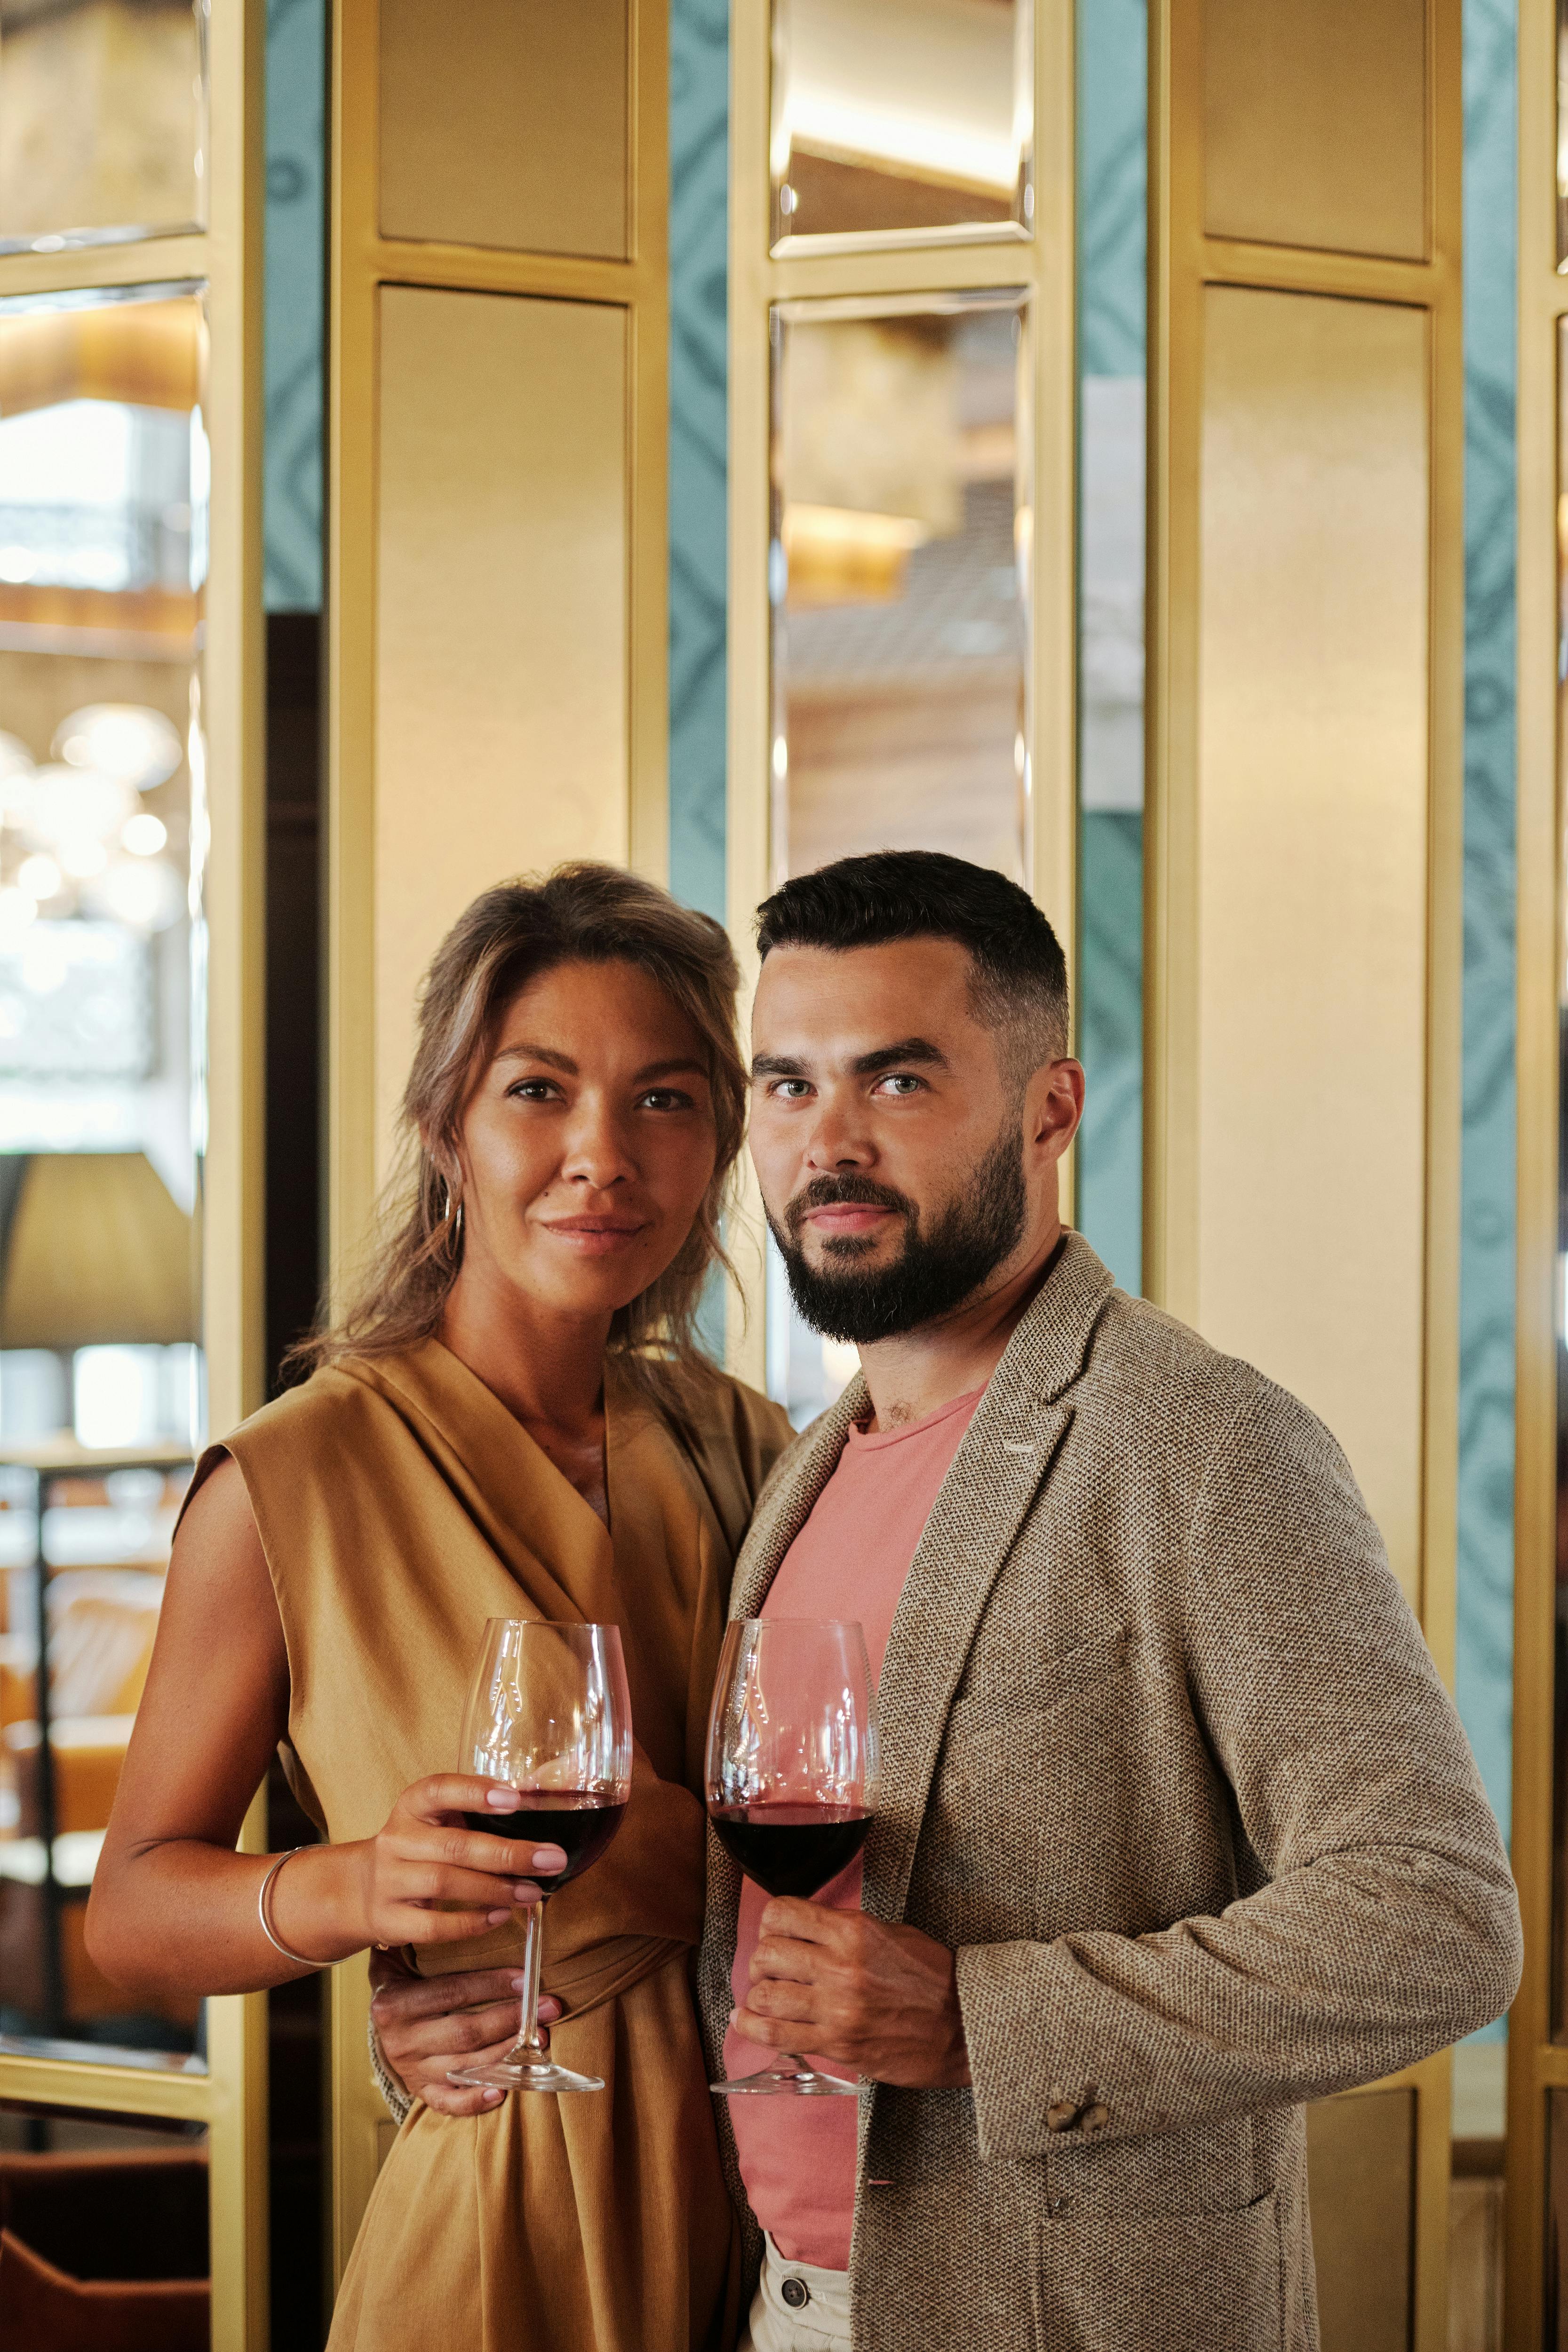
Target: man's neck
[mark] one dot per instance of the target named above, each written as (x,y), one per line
(921,1370)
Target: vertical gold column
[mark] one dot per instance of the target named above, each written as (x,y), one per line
(1537,2065)
(1304,945)
(223,264)
(495,545)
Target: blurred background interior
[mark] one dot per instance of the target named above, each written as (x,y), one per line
(1117,444)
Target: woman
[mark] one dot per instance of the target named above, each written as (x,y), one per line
(513,1419)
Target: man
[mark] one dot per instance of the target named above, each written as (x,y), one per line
(1176,1827)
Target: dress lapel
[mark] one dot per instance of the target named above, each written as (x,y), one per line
(555,1544)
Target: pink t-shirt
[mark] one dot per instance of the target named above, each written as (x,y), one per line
(849,1560)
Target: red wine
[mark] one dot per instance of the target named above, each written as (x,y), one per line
(581,1824)
(790,1849)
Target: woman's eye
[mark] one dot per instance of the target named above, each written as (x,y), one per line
(665,1098)
(532,1090)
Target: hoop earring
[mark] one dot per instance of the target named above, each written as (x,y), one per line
(452,1218)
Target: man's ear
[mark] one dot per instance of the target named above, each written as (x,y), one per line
(1054,1106)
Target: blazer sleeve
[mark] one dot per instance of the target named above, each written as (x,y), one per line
(1387,1926)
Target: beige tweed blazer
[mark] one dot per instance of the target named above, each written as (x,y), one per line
(1166,1763)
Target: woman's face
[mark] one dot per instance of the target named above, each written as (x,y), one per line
(587,1142)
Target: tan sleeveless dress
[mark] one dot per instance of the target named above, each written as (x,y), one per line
(400,1505)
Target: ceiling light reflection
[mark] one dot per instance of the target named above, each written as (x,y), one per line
(60,804)
(144,834)
(39,876)
(144,892)
(17,911)
(124,739)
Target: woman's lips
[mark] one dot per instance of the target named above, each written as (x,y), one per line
(594,1236)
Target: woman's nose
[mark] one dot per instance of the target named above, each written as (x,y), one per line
(597,1152)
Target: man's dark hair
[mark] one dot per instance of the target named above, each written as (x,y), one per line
(1019,980)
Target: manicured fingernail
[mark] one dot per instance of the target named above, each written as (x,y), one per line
(492,2098)
(523,1893)
(505,1800)
(734,2013)
(497,1918)
(550,1857)
(520,1984)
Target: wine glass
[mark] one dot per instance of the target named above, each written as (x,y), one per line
(791,1775)
(549,1712)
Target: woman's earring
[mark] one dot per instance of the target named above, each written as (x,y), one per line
(452,1218)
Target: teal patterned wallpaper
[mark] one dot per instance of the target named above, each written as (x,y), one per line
(296,236)
(698,383)
(1485,1664)
(1113,185)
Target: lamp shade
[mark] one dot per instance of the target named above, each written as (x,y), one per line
(95,1251)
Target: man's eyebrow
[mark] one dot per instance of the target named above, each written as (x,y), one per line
(889,1057)
(865,1065)
(545,1054)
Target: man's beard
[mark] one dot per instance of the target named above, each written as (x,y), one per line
(937,1269)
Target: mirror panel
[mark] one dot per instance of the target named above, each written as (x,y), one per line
(103,487)
(893,115)
(901,562)
(103,111)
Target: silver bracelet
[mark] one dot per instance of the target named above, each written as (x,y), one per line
(276,1941)
(398,2098)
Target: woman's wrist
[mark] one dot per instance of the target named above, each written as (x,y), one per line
(315,1904)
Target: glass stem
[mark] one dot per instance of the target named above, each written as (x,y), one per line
(529,2046)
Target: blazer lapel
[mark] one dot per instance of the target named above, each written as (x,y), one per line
(791,1499)
(995,1475)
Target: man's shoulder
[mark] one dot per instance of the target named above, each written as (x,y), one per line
(1172,1388)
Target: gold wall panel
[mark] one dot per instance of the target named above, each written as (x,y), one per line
(1315,123)
(1361,2170)
(1313,868)
(501,707)
(504,122)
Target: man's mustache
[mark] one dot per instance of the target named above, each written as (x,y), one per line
(831,1191)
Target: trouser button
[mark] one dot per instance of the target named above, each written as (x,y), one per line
(796,2292)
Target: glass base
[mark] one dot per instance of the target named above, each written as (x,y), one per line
(790,2078)
(543,2075)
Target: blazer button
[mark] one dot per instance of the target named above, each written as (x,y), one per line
(796,2292)
(1061,2116)
(1095,2118)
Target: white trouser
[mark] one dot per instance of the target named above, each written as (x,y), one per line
(797,2308)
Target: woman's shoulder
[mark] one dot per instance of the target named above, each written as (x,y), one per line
(313,1417)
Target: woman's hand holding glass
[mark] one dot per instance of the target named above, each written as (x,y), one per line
(428,2026)
(424,1878)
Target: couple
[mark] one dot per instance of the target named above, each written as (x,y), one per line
(1176,1826)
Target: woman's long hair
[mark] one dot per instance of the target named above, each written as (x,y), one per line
(580,913)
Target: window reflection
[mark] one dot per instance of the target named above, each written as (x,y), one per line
(901,115)
(103,480)
(901,614)
(102,120)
